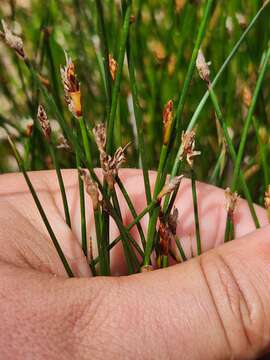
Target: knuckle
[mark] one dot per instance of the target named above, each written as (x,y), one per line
(238,305)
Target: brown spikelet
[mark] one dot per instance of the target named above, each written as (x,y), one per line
(113,66)
(170,186)
(71,88)
(91,188)
(44,122)
(202,67)
(232,198)
(167,121)
(188,147)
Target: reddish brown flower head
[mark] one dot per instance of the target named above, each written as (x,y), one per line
(167,121)
(71,88)
(44,122)
(113,66)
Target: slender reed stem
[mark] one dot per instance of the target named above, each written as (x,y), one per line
(138,118)
(180,248)
(41,211)
(61,185)
(116,88)
(131,208)
(196,215)
(105,51)
(200,106)
(233,154)
(240,154)
(82,208)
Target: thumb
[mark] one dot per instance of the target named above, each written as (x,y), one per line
(213,307)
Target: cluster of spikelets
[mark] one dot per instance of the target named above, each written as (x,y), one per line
(110,164)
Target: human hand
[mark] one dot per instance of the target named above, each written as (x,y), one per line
(211,307)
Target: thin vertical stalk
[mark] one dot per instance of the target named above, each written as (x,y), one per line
(61,185)
(82,208)
(180,248)
(200,106)
(138,119)
(196,215)
(85,139)
(131,208)
(192,63)
(116,88)
(41,211)
(233,154)
(105,51)
(262,72)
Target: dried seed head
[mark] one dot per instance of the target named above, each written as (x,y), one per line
(63,143)
(13,41)
(91,188)
(113,66)
(44,122)
(111,165)
(267,198)
(167,121)
(170,186)
(231,198)
(203,67)
(100,136)
(71,88)
(188,146)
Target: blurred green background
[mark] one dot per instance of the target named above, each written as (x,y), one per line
(162,38)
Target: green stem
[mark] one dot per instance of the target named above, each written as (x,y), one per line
(41,211)
(148,209)
(116,88)
(85,139)
(192,63)
(105,51)
(154,215)
(244,135)
(233,154)
(82,208)
(196,215)
(131,208)
(138,119)
(229,231)
(131,259)
(199,108)
(61,185)
(180,248)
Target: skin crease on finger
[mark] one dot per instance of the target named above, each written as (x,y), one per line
(219,299)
